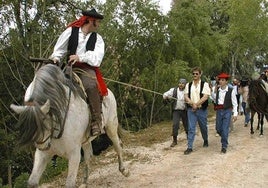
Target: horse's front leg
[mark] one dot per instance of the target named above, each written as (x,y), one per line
(259,121)
(41,159)
(88,154)
(262,121)
(73,165)
(251,124)
(111,131)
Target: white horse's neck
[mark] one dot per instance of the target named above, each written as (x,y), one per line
(29,91)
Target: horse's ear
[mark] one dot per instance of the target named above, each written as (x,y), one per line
(45,108)
(18,109)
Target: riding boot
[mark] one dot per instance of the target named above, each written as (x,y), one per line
(94,101)
(174,143)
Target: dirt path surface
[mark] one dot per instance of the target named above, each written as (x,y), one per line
(244,165)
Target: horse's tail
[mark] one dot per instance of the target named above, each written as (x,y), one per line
(30,126)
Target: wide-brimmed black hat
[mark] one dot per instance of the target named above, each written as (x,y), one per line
(92,13)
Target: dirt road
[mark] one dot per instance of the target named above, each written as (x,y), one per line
(244,165)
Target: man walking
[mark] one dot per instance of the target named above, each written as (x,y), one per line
(178,109)
(196,95)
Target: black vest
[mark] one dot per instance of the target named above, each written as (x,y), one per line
(73,41)
(205,104)
(174,95)
(227,99)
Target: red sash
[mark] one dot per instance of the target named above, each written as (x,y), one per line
(100,81)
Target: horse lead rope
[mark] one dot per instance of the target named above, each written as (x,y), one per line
(129,85)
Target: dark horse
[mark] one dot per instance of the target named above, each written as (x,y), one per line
(258,101)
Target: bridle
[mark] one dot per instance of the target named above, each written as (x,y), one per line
(53,129)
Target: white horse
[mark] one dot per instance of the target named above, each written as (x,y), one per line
(55,119)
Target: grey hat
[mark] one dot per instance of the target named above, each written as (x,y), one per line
(183,81)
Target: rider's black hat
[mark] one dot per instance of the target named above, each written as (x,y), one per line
(92,13)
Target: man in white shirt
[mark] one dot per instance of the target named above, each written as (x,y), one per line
(196,95)
(225,104)
(179,112)
(85,50)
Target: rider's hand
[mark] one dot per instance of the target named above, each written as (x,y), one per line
(73,58)
(55,60)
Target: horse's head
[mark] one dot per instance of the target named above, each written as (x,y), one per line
(35,124)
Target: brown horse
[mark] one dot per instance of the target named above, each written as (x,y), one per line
(258,101)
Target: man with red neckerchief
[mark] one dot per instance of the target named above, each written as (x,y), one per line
(225,104)
(85,50)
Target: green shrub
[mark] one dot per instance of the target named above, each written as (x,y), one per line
(21,181)
(51,172)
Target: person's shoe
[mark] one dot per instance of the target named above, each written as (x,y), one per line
(173,144)
(223,150)
(245,125)
(188,151)
(205,145)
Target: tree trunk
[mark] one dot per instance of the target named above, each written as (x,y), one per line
(9,176)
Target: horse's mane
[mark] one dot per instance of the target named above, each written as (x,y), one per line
(255,88)
(50,84)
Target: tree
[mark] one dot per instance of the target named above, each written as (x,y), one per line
(30,28)
(192,38)
(133,32)
(247,34)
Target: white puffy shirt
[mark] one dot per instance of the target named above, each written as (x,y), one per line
(93,58)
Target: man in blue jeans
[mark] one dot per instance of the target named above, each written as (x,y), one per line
(225,104)
(196,95)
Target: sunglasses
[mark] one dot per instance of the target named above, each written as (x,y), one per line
(195,73)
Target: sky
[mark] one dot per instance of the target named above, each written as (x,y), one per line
(164,5)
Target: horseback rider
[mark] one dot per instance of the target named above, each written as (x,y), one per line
(85,50)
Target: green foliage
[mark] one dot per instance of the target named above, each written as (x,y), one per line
(191,36)
(248,33)
(51,171)
(21,181)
